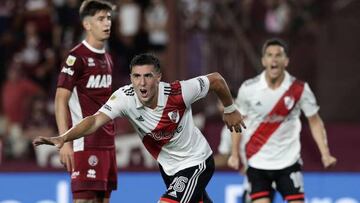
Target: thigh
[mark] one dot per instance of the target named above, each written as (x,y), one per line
(189,185)
(260,183)
(92,170)
(290,183)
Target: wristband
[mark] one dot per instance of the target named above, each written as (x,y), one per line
(230,109)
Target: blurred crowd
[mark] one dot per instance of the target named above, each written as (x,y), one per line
(35,36)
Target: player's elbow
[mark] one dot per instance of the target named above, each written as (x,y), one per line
(216,80)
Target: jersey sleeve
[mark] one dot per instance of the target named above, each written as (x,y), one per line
(308,102)
(194,89)
(70,72)
(115,106)
(241,102)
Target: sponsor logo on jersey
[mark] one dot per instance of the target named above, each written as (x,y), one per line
(91,173)
(107,107)
(99,81)
(75,174)
(91,62)
(162,134)
(174,116)
(140,118)
(70,61)
(202,84)
(289,102)
(179,129)
(67,70)
(93,160)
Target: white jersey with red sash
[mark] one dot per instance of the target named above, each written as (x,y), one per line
(168,131)
(272,139)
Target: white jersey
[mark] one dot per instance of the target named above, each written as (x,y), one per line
(168,131)
(226,143)
(256,100)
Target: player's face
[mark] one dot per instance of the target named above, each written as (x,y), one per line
(275,61)
(98,26)
(146,82)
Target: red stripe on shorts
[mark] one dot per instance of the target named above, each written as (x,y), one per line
(260,194)
(294,197)
(168,200)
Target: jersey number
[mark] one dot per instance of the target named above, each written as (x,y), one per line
(178,184)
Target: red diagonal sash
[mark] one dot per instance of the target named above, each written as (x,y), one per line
(166,127)
(282,109)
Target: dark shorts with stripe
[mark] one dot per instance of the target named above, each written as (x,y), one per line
(94,170)
(188,185)
(289,182)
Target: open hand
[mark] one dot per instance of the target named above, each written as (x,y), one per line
(56,141)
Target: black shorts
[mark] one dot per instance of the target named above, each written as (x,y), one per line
(188,185)
(289,182)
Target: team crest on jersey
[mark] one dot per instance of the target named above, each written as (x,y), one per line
(70,61)
(174,116)
(289,102)
(93,160)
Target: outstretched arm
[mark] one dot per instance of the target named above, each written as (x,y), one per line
(232,117)
(86,126)
(319,135)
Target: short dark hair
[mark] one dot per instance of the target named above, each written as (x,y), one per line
(145,59)
(91,7)
(275,41)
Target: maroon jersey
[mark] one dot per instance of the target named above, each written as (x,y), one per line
(87,72)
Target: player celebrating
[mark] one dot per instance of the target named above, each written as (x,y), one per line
(84,85)
(271,103)
(162,116)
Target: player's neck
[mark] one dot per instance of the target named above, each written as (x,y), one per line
(274,83)
(97,44)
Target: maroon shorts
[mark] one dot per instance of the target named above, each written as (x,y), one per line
(94,170)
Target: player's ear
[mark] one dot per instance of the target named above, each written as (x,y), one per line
(287,60)
(86,23)
(159,77)
(263,61)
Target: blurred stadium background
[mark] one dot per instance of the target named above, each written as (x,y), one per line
(191,37)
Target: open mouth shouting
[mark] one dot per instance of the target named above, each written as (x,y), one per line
(107,31)
(143,92)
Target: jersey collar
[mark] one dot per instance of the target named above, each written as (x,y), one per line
(161,99)
(98,51)
(285,83)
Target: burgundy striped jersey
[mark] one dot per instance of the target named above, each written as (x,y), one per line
(87,73)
